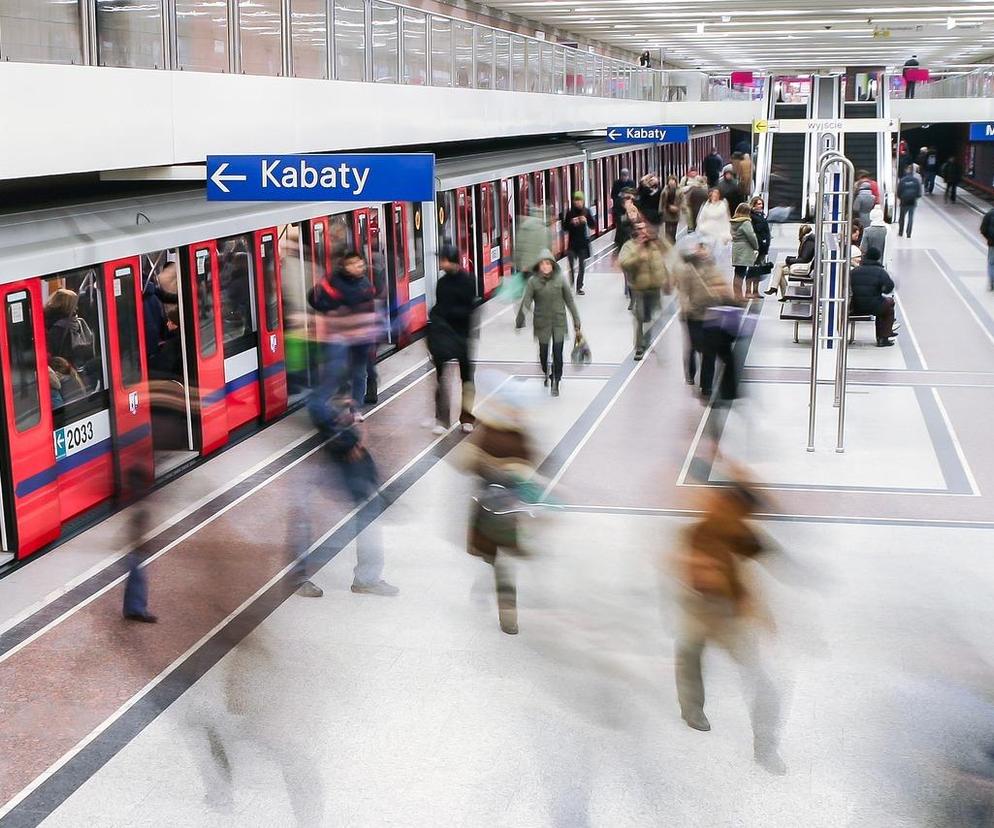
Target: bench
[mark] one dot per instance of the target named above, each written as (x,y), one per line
(796,311)
(858,317)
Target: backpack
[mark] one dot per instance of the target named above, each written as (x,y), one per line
(907,190)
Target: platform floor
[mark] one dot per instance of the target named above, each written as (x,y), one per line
(248,706)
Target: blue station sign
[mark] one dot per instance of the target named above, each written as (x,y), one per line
(668,134)
(982,131)
(348,177)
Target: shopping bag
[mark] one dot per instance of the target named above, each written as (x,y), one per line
(581,351)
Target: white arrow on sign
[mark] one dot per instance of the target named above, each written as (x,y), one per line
(613,134)
(219,178)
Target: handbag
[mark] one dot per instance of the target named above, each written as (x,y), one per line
(758,271)
(581,351)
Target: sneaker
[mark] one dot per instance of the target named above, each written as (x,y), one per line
(379,588)
(438,429)
(697,721)
(143,617)
(895,328)
(580,292)
(467,428)
(309,589)
(555,388)
(508,620)
(639,353)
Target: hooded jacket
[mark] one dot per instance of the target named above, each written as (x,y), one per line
(578,234)
(745,245)
(451,319)
(868,284)
(348,307)
(531,237)
(551,297)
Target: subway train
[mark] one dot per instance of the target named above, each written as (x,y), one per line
(145,332)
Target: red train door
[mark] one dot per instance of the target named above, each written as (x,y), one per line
(29,495)
(490,243)
(131,403)
(465,229)
(398,294)
(506,225)
(269,298)
(320,248)
(202,300)
(556,210)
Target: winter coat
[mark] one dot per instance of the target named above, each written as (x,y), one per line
(909,190)
(730,191)
(714,221)
(551,297)
(987,227)
(712,554)
(617,202)
(531,237)
(805,251)
(671,205)
(648,203)
(712,166)
(348,309)
(952,172)
(578,233)
(694,198)
(701,286)
(451,319)
(646,265)
(874,236)
(868,284)
(622,230)
(744,242)
(761,226)
(863,202)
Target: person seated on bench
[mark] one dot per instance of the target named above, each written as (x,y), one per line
(868,285)
(805,255)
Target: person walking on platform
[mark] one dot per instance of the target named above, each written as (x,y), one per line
(864,201)
(695,194)
(909,190)
(713,164)
(644,261)
(624,224)
(931,168)
(136,585)
(671,203)
(714,220)
(351,325)
(909,84)
(745,248)
(623,182)
(547,291)
(869,285)
(987,231)
(730,190)
(578,223)
(647,199)
(450,326)
(952,174)
(531,237)
(876,234)
(718,606)
(701,285)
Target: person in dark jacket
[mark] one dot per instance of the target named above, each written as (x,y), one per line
(578,223)
(909,85)
(765,238)
(952,174)
(623,182)
(623,226)
(869,285)
(450,326)
(647,199)
(350,327)
(805,255)
(713,164)
(931,168)
(909,190)
(730,190)
(671,203)
(695,193)
(987,231)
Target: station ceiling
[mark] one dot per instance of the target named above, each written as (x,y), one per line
(779,34)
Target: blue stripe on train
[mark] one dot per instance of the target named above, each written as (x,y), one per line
(238,383)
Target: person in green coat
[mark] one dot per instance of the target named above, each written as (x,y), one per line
(745,247)
(551,296)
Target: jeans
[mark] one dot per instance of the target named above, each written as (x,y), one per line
(951,191)
(907,212)
(645,304)
(557,358)
(990,267)
(574,256)
(361,479)
(717,344)
(693,346)
(341,362)
(909,89)
(929,182)
(442,404)
(136,587)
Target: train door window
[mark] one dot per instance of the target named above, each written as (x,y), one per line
(272,301)
(74,339)
(415,243)
(23,366)
(235,270)
(447,217)
(205,303)
(127,326)
(341,236)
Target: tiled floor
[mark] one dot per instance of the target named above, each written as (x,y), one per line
(360,711)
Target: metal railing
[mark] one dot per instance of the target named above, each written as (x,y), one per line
(355,40)
(976,84)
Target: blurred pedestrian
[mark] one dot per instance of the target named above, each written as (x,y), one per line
(863,201)
(671,204)
(931,168)
(138,520)
(952,174)
(716,606)
(730,189)
(578,223)
(876,234)
(624,225)
(644,262)
(714,221)
(499,453)
(987,231)
(745,247)
(647,199)
(908,73)
(547,291)
(695,194)
(622,183)
(450,325)
(713,164)
(531,237)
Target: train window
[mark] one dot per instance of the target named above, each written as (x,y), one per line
(235,275)
(127,326)
(23,361)
(74,335)
(267,253)
(447,217)
(415,243)
(132,39)
(318,251)
(415,48)
(341,234)
(205,303)
(533,67)
(484,57)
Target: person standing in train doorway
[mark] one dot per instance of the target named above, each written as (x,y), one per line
(578,223)
(450,327)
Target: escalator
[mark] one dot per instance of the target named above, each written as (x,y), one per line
(861,147)
(787,161)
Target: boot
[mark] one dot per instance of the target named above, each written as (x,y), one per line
(555,388)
